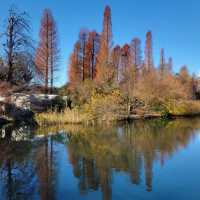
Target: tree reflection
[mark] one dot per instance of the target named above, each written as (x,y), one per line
(45,167)
(17,179)
(97,153)
(27,164)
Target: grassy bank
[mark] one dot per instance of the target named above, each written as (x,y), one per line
(78,116)
(184,108)
(67,117)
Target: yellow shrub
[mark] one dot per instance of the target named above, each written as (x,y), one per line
(105,107)
(184,107)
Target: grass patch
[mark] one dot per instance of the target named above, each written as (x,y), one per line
(73,116)
(184,108)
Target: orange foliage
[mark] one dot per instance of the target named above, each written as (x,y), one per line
(47,52)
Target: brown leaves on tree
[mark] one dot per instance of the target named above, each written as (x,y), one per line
(103,57)
(83,60)
(124,68)
(148,60)
(47,53)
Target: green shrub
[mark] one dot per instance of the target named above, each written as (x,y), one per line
(58,104)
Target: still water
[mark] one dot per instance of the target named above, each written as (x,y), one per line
(142,160)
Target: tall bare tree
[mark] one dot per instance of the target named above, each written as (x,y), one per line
(17,44)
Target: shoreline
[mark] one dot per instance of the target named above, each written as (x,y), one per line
(130,118)
(4,120)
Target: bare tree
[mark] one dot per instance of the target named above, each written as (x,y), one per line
(17,43)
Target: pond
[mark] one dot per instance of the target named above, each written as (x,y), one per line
(141,160)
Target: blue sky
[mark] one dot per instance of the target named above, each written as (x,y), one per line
(175,25)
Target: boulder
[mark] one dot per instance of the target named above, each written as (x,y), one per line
(19,114)
(3,121)
(38,102)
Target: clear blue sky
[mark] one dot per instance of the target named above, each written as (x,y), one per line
(175,25)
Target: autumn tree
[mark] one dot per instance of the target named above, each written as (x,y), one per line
(194,87)
(83,64)
(18,44)
(162,66)
(92,49)
(186,81)
(116,59)
(103,58)
(47,54)
(128,80)
(83,37)
(136,53)
(74,66)
(54,52)
(148,52)
(125,57)
(106,37)
(123,69)
(184,75)
(170,65)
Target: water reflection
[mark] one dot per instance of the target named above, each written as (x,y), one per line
(30,159)
(26,165)
(94,154)
(16,171)
(45,168)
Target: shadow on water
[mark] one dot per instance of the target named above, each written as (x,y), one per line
(29,159)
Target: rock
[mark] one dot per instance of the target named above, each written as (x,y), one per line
(21,100)
(19,114)
(3,121)
(152,116)
(37,102)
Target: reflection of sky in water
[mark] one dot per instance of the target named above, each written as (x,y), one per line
(198,135)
